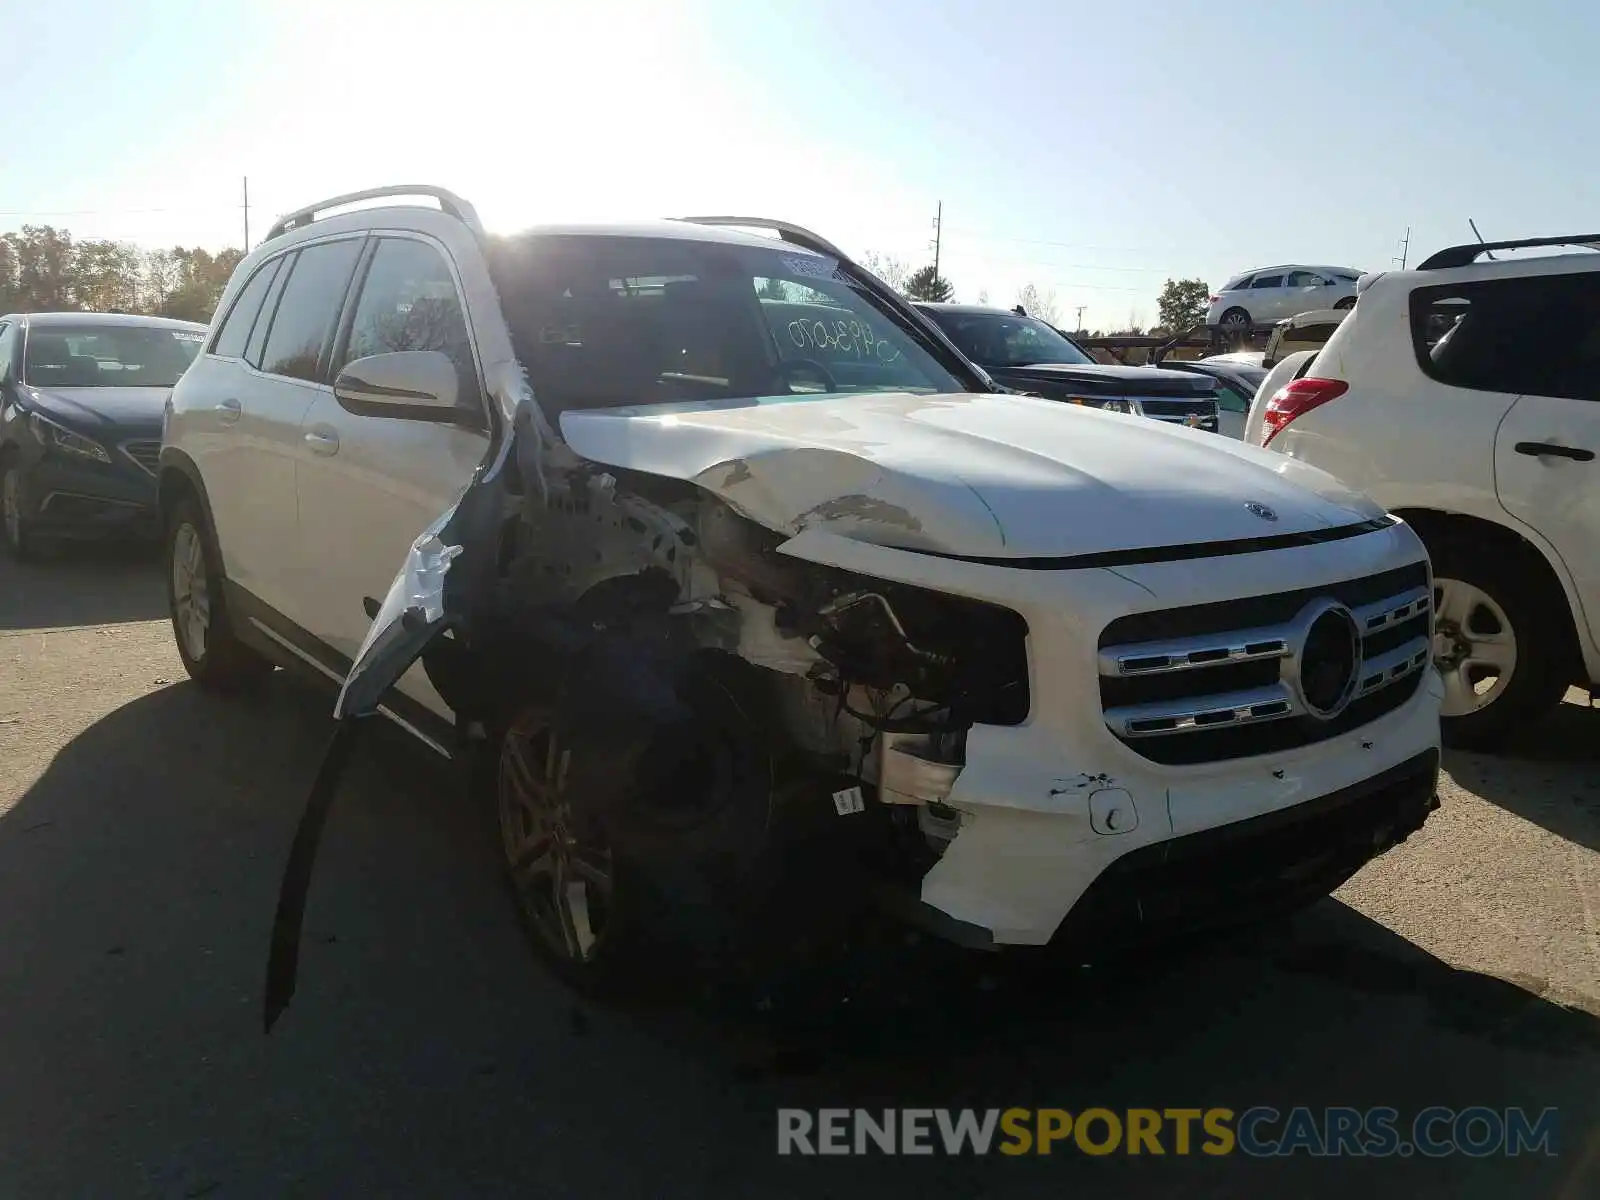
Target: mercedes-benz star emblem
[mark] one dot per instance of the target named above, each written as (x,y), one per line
(1256,508)
(1328,659)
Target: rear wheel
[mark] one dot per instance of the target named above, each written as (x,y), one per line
(211,653)
(1346,304)
(1498,644)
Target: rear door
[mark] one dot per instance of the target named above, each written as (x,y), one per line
(1547,449)
(367,484)
(284,365)
(227,422)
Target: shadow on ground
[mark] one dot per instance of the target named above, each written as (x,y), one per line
(1549,775)
(88,584)
(426,1054)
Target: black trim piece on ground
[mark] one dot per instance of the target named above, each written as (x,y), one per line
(1160,554)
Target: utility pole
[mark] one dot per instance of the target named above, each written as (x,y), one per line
(1405,248)
(247,214)
(1079,325)
(938,233)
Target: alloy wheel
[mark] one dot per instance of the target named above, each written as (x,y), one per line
(1474,646)
(560,862)
(191,592)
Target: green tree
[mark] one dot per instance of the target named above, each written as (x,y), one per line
(197,279)
(106,276)
(1183,303)
(926,284)
(41,262)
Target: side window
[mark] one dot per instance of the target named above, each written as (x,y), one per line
(1267,281)
(311,299)
(1305,279)
(1538,336)
(1231,399)
(258,335)
(1237,283)
(409,302)
(8,343)
(235,329)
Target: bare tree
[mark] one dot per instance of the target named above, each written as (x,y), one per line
(887,268)
(1041,304)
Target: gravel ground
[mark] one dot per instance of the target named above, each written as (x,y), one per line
(143,826)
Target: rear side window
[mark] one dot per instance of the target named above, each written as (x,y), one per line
(1538,336)
(1312,334)
(1267,281)
(307,308)
(1237,282)
(235,330)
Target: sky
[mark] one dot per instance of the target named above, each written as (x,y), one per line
(1094,150)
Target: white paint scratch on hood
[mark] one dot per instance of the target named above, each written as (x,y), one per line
(1001,475)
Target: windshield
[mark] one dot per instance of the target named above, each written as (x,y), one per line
(1250,376)
(90,355)
(1005,340)
(607,321)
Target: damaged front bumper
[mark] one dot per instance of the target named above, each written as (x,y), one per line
(1057,814)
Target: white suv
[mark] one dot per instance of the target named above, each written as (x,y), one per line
(696,586)
(1464,396)
(1259,299)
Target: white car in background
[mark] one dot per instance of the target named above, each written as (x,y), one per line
(1464,396)
(1260,298)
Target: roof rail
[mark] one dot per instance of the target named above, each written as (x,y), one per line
(1467,254)
(449,203)
(796,235)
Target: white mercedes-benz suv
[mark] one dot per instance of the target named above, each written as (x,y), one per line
(595,500)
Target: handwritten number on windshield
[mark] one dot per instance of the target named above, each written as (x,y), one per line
(842,337)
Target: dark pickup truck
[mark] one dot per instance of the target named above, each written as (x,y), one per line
(1024,353)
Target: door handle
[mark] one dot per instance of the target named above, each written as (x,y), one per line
(1550,449)
(323,441)
(229,411)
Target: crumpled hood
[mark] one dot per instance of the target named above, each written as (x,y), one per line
(102,411)
(991,475)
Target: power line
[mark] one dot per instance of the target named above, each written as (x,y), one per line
(107,212)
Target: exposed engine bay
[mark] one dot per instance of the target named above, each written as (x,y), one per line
(863,679)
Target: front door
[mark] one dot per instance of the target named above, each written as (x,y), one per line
(368,485)
(1265,299)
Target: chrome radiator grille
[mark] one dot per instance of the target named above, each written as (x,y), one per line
(1266,673)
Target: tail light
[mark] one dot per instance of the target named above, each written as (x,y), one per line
(1295,399)
(1214,299)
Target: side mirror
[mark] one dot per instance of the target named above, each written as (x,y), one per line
(412,385)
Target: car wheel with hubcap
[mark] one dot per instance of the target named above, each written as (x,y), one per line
(211,653)
(1496,643)
(1235,322)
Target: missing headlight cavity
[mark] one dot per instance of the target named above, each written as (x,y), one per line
(967,656)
